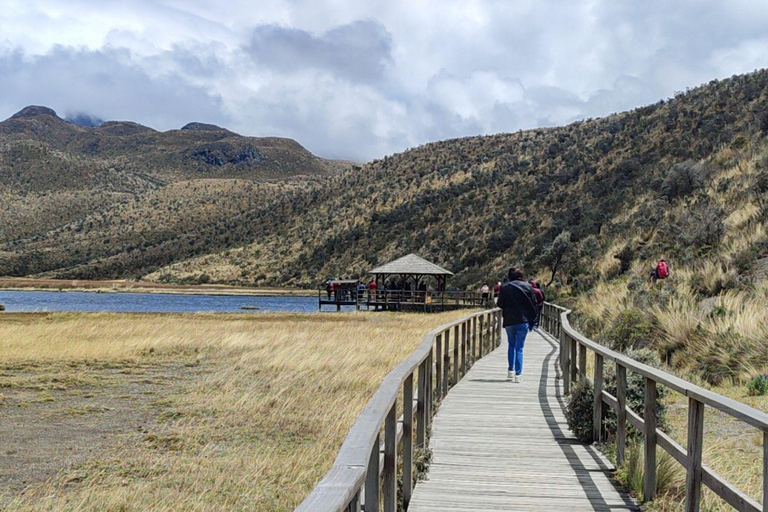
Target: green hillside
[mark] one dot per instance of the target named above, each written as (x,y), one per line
(130,197)
(585,200)
(631,186)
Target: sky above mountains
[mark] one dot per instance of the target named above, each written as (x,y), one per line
(361,79)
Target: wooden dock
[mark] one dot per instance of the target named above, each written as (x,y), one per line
(502,446)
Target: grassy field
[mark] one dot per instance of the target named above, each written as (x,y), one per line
(121,285)
(193,412)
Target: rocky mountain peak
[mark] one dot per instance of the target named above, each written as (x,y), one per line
(34,111)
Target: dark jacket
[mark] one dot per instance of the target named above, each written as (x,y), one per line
(516,301)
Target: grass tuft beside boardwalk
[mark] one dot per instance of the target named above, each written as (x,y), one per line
(171,412)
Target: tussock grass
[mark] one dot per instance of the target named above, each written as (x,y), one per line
(253,424)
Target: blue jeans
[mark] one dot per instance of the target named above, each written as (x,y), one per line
(516,337)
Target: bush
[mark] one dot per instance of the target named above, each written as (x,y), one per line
(578,413)
(635,393)
(669,478)
(630,330)
(683,179)
(758,386)
(711,285)
(725,358)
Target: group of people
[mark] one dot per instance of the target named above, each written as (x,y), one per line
(521,303)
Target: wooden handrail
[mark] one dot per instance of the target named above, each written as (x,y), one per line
(359,473)
(555,322)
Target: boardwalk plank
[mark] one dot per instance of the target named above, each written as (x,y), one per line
(504,446)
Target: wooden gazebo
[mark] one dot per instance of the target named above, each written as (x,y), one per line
(402,285)
(411,270)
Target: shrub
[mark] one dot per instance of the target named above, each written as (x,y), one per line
(669,478)
(758,386)
(635,393)
(683,179)
(714,283)
(630,330)
(578,413)
(725,358)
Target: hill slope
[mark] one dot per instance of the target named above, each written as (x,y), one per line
(71,194)
(632,185)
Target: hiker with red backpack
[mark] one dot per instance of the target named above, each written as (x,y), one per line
(661,271)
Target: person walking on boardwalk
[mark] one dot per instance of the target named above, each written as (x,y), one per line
(516,301)
(538,294)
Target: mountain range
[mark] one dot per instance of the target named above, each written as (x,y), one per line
(568,203)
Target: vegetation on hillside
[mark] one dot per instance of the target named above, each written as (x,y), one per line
(122,199)
(600,193)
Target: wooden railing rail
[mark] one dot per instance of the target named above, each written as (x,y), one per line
(393,297)
(364,473)
(573,358)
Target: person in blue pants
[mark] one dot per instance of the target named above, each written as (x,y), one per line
(516,300)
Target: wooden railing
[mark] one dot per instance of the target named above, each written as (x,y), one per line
(387,299)
(573,362)
(365,470)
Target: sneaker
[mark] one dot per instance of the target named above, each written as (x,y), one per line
(518,378)
(510,375)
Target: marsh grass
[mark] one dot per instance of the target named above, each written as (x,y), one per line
(252,412)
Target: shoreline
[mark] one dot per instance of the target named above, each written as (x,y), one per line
(21,284)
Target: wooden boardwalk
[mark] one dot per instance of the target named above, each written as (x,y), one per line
(501,446)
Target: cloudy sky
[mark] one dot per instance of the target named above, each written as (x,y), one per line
(359,79)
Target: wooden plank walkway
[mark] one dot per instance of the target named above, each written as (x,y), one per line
(501,446)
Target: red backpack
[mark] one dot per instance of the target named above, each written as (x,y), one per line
(662,271)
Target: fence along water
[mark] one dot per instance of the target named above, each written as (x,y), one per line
(365,472)
(573,362)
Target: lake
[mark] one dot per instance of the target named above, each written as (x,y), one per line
(22,301)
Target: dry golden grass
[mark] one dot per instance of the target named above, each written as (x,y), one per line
(254,422)
(732,448)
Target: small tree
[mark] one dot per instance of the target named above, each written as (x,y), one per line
(557,253)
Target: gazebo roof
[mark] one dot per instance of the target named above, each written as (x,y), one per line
(411,264)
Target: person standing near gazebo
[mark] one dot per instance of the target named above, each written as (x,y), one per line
(516,301)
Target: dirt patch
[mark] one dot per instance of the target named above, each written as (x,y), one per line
(57,419)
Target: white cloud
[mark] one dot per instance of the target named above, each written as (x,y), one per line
(360,79)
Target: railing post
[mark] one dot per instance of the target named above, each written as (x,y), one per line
(695,448)
(389,475)
(407,440)
(430,389)
(421,409)
(765,471)
(480,336)
(597,406)
(621,427)
(372,478)
(474,339)
(582,361)
(572,358)
(456,342)
(649,416)
(497,318)
(354,505)
(439,366)
(565,365)
(462,350)
(446,360)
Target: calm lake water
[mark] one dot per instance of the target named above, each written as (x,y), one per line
(16,301)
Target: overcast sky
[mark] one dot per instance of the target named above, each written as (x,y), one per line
(359,79)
